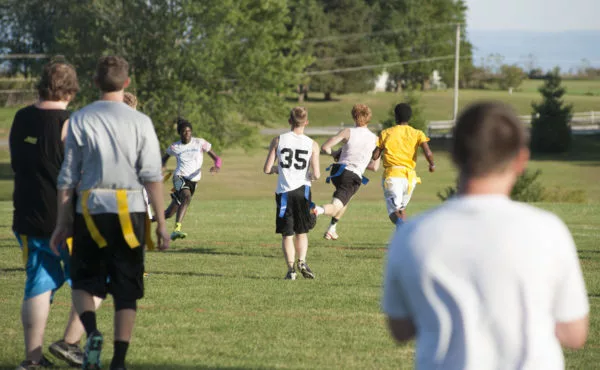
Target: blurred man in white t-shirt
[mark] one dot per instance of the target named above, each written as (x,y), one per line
(484,282)
(189,152)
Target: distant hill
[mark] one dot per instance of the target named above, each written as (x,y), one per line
(565,49)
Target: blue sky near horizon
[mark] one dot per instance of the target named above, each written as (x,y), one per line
(564,35)
(533,15)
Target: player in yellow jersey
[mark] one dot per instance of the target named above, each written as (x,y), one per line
(398,146)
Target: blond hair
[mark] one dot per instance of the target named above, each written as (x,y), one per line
(298,116)
(130,99)
(361,114)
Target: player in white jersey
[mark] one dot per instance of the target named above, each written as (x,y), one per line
(484,282)
(295,153)
(189,152)
(353,158)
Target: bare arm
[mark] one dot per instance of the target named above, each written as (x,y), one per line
(343,135)
(64,131)
(268,168)
(315,166)
(155,193)
(572,334)
(165,158)
(429,156)
(402,329)
(376,154)
(217,167)
(64,222)
(374,165)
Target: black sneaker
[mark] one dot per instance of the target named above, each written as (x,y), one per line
(291,275)
(93,348)
(305,270)
(70,353)
(30,365)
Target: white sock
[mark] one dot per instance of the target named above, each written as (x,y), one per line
(332,227)
(320,210)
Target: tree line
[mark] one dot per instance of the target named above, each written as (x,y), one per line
(227,64)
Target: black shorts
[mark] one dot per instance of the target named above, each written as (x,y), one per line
(117,268)
(180,184)
(293,212)
(346,184)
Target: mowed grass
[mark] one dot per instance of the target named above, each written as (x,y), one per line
(217,300)
(436,105)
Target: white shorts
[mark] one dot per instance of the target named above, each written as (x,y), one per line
(395,192)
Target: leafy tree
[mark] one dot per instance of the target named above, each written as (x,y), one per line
(347,45)
(550,122)
(511,76)
(218,63)
(415,30)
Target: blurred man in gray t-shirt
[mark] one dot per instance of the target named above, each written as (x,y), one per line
(111,154)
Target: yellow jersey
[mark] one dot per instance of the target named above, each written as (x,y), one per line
(400,145)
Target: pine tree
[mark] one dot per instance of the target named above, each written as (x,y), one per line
(550,123)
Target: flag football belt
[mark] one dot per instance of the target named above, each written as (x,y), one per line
(124,220)
(410,174)
(339,172)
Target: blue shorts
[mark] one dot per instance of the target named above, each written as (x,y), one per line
(45,270)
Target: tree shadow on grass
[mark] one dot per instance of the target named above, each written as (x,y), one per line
(165,366)
(181,273)
(215,252)
(12,269)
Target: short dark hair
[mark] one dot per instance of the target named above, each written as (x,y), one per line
(58,81)
(182,124)
(402,113)
(111,73)
(486,137)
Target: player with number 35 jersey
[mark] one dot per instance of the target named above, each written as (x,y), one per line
(298,164)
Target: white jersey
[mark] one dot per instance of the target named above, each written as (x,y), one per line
(485,280)
(357,152)
(189,157)
(294,154)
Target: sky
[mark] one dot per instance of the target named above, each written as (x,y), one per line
(558,15)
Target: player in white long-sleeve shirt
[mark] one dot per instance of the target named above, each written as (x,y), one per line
(353,158)
(484,282)
(296,153)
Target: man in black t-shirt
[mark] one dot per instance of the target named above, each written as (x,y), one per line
(36,148)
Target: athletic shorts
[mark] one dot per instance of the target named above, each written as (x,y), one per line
(293,212)
(45,270)
(117,268)
(181,183)
(395,192)
(346,184)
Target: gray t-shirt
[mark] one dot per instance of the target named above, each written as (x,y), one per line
(110,146)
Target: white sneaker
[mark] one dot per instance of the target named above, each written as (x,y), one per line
(331,235)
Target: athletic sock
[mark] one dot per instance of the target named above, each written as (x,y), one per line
(333,224)
(177,226)
(118,360)
(320,210)
(88,319)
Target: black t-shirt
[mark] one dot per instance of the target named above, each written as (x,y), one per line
(36,155)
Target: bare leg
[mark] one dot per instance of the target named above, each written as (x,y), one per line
(301,246)
(34,315)
(83,301)
(186,199)
(124,323)
(74,330)
(341,212)
(333,208)
(287,245)
(173,207)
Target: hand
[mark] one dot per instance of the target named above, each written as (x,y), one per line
(336,155)
(59,237)
(432,168)
(163,239)
(214,169)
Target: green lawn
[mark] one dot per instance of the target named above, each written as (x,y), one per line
(217,300)
(437,105)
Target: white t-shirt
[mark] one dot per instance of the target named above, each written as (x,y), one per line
(189,157)
(484,280)
(294,154)
(357,152)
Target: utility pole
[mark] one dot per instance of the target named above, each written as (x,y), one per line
(456,61)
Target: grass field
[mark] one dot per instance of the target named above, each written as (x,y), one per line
(217,300)
(437,105)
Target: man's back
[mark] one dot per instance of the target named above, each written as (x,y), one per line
(294,155)
(120,150)
(400,144)
(356,153)
(485,280)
